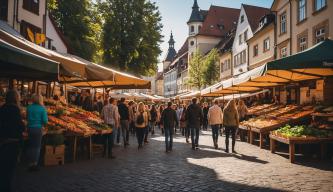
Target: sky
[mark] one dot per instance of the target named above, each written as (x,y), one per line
(175,14)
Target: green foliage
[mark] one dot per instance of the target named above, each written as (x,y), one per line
(131,35)
(211,71)
(196,68)
(80,22)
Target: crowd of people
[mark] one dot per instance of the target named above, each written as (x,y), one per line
(125,117)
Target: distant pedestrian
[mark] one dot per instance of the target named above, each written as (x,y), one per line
(147,128)
(194,118)
(205,109)
(141,122)
(215,120)
(37,119)
(87,101)
(169,120)
(153,119)
(124,121)
(11,129)
(231,123)
(242,112)
(132,111)
(160,111)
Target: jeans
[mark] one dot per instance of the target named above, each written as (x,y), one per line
(205,124)
(146,131)
(215,132)
(9,153)
(187,132)
(195,136)
(109,144)
(140,134)
(125,130)
(35,142)
(152,126)
(230,130)
(168,132)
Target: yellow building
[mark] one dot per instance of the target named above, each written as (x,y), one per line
(261,45)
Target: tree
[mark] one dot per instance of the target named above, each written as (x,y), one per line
(131,35)
(211,68)
(196,68)
(79,22)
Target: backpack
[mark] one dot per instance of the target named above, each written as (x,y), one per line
(140,119)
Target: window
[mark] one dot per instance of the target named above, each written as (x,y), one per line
(199,28)
(192,29)
(4,10)
(240,58)
(31,5)
(283,23)
(302,43)
(301,10)
(240,39)
(24,29)
(283,52)
(319,4)
(255,50)
(320,35)
(242,19)
(226,65)
(266,44)
(245,36)
(192,43)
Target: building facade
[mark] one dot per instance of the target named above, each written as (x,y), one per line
(259,51)
(247,22)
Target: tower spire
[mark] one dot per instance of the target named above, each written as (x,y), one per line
(171,41)
(195,15)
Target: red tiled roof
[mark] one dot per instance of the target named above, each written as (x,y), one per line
(219,20)
(254,14)
(182,50)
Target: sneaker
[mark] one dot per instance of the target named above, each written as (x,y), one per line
(227,151)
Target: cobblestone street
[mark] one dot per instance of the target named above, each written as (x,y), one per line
(207,169)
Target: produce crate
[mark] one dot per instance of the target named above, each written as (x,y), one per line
(54,155)
(292,141)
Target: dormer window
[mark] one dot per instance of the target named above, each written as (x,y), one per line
(242,19)
(32,6)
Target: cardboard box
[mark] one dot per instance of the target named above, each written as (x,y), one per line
(54,150)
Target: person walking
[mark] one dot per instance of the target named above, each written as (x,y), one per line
(11,130)
(147,128)
(160,125)
(205,118)
(242,112)
(153,119)
(87,101)
(231,123)
(169,120)
(110,117)
(132,112)
(194,118)
(215,120)
(141,122)
(124,121)
(37,118)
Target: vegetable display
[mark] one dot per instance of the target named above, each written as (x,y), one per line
(302,131)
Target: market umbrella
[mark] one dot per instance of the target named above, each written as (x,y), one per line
(18,63)
(313,63)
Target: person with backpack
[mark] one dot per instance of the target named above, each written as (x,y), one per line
(153,119)
(141,122)
(194,118)
(170,120)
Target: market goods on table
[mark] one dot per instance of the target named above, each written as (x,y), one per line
(260,122)
(302,131)
(74,119)
(254,109)
(282,110)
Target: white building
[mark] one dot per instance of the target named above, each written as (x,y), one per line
(247,22)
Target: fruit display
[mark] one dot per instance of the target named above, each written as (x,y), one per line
(283,110)
(254,109)
(260,122)
(302,131)
(297,114)
(73,119)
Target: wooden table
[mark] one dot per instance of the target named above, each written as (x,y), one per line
(292,141)
(76,137)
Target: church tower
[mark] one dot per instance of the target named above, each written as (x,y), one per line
(194,25)
(171,53)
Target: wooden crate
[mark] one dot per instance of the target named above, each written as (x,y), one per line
(54,150)
(54,155)
(53,160)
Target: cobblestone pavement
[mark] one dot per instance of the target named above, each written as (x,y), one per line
(207,169)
